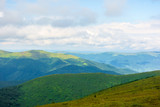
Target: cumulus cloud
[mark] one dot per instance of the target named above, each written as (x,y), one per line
(58,13)
(85,17)
(113,36)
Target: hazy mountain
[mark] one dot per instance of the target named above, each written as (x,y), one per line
(141,62)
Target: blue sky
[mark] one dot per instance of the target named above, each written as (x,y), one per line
(80,25)
(134,10)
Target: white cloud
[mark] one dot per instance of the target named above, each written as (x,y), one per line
(11,18)
(113,36)
(58,13)
(115,7)
(1,14)
(66,24)
(2,5)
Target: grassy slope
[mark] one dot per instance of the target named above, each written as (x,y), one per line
(142,93)
(65,87)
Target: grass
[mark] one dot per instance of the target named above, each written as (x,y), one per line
(142,93)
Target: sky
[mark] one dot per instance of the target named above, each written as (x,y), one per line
(80,25)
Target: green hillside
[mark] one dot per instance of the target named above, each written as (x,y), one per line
(142,93)
(63,87)
(15,66)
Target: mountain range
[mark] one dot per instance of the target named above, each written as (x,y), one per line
(140,61)
(36,77)
(15,66)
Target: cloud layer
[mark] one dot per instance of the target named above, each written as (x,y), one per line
(113,36)
(59,13)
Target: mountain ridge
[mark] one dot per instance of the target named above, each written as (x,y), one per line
(35,54)
(29,61)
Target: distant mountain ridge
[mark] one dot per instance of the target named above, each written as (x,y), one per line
(35,63)
(140,61)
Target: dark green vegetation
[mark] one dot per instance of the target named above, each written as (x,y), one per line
(22,66)
(65,87)
(9,83)
(9,97)
(142,93)
(146,61)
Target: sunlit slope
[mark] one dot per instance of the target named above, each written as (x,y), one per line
(141,93)
(64,87)
(35,54)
